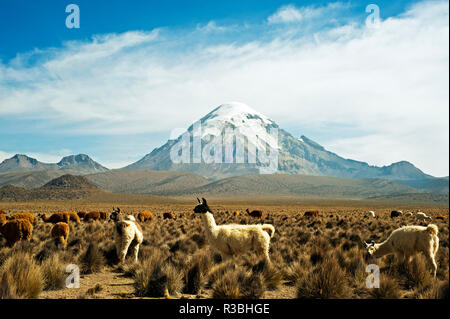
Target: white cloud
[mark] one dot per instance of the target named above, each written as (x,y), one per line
(286,14)
(291,14)
(211,26)
(390,84)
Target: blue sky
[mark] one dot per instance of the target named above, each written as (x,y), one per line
(25,25)
(116,87)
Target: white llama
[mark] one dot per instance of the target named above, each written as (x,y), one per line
(408,241)
(128,235)
(235,239)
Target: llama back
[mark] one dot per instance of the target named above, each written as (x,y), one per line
(412,238)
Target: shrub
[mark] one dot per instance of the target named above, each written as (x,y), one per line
(156,277)
(53,271)
(325,281)
(239,284)
(7,287)
(25,275)
(92,260)
(389,288)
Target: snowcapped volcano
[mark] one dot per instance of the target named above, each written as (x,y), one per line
(243,121)
(214,146)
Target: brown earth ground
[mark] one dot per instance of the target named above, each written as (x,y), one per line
(300,249)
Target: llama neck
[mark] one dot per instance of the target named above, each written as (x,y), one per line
(382,249)
(209,223)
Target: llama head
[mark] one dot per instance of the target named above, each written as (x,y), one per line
(202,207)
(370,247)
(115,215)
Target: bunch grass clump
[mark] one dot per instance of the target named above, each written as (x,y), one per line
(22,275)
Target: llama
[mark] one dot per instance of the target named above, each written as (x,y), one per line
(81,214)
(60,233)
(235,239)
(422,216)
(73,216)
(408,214)
(408,241)
(254,213)
(169,215)
(55,218)
(396,213)
(15,230)
(92,216)
(372,213)
(28,216)
(144,216)
(128,235)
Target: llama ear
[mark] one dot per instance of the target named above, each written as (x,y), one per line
(204,201)
(199,201)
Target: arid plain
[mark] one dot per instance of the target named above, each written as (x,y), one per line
(312,257)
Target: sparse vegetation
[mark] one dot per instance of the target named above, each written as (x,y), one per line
(314,257)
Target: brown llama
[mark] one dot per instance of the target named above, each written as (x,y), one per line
(254,213)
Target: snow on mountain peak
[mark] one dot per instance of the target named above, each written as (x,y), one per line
(235,113)
(244,120)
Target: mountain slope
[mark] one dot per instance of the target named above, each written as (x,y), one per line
(81,164)
(145,181)
(253,131)
(299,185)
(430,185)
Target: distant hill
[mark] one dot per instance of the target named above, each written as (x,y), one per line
(123,185)
(430,185)
(171,183)
(70,187)
(146,181)
(81,164)
(70,182)
(296,185)
(66,187)
(413,198)
(30,179)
